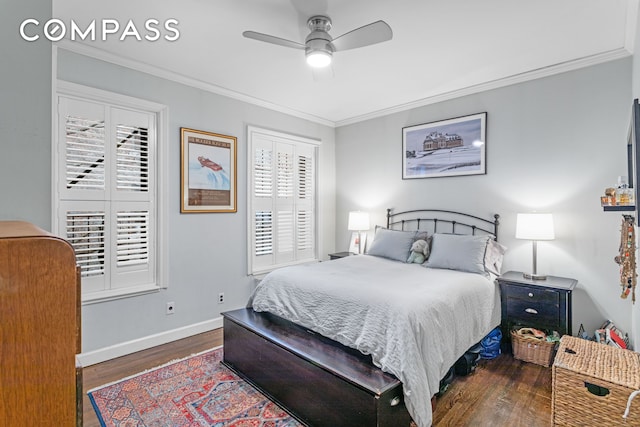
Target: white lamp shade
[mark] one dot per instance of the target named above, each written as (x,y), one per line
(535,226)
(358,221)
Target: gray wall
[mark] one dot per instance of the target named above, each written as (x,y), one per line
(207,252)
(25,116)
(553,145)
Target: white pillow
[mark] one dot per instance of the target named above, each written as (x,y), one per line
(493,257)
(458,252)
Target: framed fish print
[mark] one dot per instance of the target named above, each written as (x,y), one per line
(450,147)
(208,172)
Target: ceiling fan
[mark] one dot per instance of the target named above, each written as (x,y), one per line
(319,45)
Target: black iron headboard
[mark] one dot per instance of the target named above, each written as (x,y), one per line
(455,220)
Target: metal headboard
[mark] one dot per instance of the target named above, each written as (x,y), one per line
(455,221)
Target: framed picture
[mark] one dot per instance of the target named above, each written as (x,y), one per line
(208,172)
(445,148)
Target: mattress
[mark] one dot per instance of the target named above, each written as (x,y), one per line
(414,321)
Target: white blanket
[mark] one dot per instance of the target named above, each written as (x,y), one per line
(414,321)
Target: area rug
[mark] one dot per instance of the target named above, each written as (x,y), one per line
(194,392)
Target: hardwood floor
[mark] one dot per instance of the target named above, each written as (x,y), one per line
(501,392)
(113,370)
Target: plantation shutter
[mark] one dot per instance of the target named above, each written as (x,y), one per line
(282,200)
(132,245)
(106,206)
(132,210)
(284,204)
(262,247)
(84,150)
(305,202)
(85,226)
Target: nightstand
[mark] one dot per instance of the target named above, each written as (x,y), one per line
(540,304)
(340,255)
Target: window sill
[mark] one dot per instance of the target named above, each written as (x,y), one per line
(260,273)
(115,294)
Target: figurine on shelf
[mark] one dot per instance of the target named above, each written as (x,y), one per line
(609,198)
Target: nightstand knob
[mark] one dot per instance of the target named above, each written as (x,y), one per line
(531,310)
(530,294)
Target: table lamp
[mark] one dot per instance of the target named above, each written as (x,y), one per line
(358,221)
(534,227)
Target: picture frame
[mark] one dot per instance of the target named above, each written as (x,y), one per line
(452,147)
(208,170)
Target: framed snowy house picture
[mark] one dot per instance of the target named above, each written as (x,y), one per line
(450,147)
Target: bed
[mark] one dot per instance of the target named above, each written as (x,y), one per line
(411,321)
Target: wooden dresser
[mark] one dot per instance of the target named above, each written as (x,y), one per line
(39,328)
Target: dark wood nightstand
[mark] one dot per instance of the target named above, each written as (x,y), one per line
(340,255)
(540,304)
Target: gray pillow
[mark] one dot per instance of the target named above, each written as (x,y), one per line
(458,252)
(392,244)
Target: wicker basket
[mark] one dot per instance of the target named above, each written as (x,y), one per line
(592,383)
(532,350)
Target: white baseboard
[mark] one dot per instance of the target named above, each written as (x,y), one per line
(107,353)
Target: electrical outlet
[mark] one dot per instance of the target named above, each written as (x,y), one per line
(171,307)
(221,298)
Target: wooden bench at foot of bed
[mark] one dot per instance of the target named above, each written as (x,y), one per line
(317,380)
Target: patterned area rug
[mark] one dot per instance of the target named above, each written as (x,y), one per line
(196,392)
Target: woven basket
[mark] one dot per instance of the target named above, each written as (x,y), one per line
(529,349)
(592,383)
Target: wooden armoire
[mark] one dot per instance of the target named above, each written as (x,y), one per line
(39,328)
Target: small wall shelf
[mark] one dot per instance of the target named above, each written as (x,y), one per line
(626,208)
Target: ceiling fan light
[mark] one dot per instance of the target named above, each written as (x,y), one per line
(318,58)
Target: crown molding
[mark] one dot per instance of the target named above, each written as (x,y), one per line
(563,67)
(494,84)
(92,52)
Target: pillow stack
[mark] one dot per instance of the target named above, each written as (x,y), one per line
(470,253)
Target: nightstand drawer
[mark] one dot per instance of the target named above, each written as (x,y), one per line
(534,295)
(529,313)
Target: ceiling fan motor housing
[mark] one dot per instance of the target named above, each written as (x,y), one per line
(319,38)
(319,22)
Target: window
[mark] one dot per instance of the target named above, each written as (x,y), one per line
(106,197)
(282,200)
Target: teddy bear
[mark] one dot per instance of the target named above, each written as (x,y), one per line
(419,252)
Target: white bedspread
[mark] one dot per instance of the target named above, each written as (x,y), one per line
(415,322)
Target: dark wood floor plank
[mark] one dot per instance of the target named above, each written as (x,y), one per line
(501,392)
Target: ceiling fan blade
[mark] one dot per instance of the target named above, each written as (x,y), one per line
(272,39)
(375,32)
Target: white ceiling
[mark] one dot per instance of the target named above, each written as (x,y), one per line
(440,49)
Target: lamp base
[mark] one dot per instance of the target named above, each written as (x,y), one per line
(534,276)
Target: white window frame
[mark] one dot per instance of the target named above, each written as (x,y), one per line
(254,135)
(159,197)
